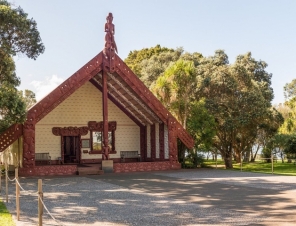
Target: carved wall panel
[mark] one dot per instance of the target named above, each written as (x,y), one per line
(70,131)
(161,141)
(153,142)
(173,149)
(29,145)
(157,148)
(166,142)
(10,135)
(148,141)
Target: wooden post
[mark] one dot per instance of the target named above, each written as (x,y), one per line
(6,181)
(241,162)
(271,163)
(17,194)
(0,177)
(105,116)
(40,205)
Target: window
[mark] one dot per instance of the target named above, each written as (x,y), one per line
(96,130)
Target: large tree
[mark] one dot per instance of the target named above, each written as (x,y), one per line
(239,97)
(18,35)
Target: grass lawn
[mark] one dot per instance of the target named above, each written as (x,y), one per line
(258,166)
(5,216)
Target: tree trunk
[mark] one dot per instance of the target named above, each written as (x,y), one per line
(227,156)
(254,157)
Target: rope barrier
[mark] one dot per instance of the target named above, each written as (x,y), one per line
(49,212)
(9,178)
(39,197)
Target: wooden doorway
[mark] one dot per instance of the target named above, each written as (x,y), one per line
(71,149)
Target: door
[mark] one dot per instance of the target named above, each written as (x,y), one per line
(71,149)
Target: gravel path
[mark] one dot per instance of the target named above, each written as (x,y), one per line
(128,199)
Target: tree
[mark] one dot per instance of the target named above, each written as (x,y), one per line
(135,57)
(29,98)
(175,89)
(239,97)
(290,89)
(18,35)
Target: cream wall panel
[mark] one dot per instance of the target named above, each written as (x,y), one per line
(82,106)
(45,141)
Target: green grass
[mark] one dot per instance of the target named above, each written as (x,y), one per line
(259,167)
(5,216)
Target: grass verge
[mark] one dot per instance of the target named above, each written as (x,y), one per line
(258,167)
(5,216)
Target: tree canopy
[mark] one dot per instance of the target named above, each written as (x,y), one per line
(224,105)
(18,35)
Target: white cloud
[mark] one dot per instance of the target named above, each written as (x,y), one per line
(45,87)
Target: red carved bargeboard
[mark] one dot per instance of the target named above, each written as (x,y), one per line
(49,170)
(144,166)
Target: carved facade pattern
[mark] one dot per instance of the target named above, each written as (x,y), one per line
(130,103)
(135,98)
(70,131)
(153,143)
(29,145)
(122,104)
(10,135)
(166,142)
(156,140)
(148,141)
(161,141)
(49,170)
(145,166)
(98,126)
(173,149)
(63,91)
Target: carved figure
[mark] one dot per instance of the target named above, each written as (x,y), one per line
(110,32)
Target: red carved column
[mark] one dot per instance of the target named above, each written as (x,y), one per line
(161,141)
(29,142)
(105,151)
(153,143)
(173,148)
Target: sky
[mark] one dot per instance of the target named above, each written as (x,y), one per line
(73,33)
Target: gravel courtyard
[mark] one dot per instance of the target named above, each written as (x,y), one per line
(183,197)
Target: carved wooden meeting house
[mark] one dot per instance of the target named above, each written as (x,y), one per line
(102,114)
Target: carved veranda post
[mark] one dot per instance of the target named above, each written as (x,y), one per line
(108,67)
(105,149)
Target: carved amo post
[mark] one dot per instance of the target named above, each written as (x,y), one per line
(29,142)
(105,149)
(173,149)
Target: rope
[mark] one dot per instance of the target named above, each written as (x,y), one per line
(23,190)
(40,198)
(8,177)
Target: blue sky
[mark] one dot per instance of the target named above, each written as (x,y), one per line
(73,33)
